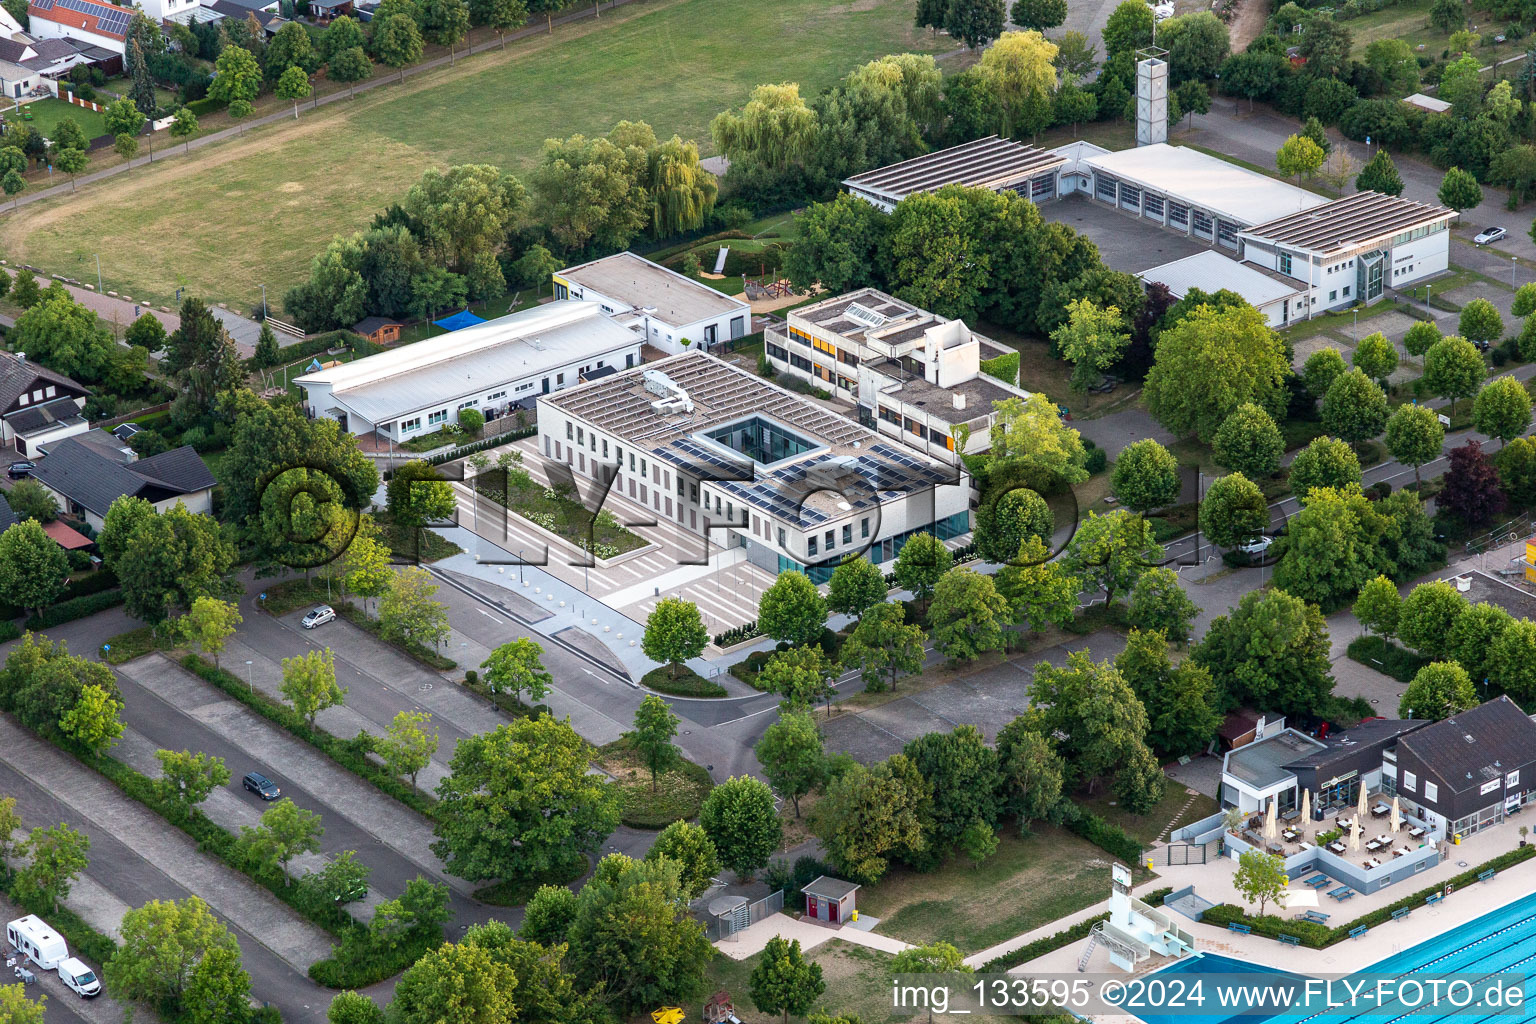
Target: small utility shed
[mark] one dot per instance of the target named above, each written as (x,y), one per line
(830,899)
(380,330)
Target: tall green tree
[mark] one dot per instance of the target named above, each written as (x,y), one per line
(1271,651)
(1380,173)
(855,587)
(883,646)
(516,666)
(1158,602)
(1182,701)
(172,559)
(1459,190)
(1355,408)
(1092,339)
(791,756)
(738,816)
(33,568)
(1039,591)
(518,802)
(1480,322)
(406,746)
(686,845)
(1249,442)
(1110,552)
(348,67)
(187,779)
(1502,409)
(286,831)
(1378,606)
(1233,511)
(1260,877)
(1376,357)
(1146,476)
(655,727)
(974,22)
(1427,618)
(784,981)
(674,633)
(55,857)
(292,85)
(1439,690)
(1095,709)
(1210,363)
(1453,368)
(1030,772)
(500,16)
(1415,436)
(961,771)
(309,683)
(1324,462)
(966,615)
(408,613)
(792,610)
(444,23)
(870,815)
(801,675)
(163,944)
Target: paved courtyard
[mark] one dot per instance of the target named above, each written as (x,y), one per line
(1127,243)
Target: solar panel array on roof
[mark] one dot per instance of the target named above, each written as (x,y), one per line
(991,162)
(687,454)
(1353,220)
(109,19)
(863,481)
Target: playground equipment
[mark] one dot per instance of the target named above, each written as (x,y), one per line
(720,1010)
(668,1015)
(768,286)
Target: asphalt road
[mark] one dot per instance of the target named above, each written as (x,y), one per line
(132,876)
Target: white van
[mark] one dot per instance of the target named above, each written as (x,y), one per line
(79,978)
(39,943)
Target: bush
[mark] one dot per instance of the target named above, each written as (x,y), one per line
(204,107)
(1112,839)
(1097,461)
(687,684)
(1004,367)
(357,961)
(751,667)
(1385,656)
(75,608)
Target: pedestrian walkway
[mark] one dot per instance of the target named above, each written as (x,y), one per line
(754,939)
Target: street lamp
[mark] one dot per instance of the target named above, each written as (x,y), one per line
(263,302)
(519,566)
(250,685)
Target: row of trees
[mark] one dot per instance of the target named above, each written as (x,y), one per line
(446,241)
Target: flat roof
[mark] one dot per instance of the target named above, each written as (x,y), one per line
(992,162)
(720,393)
(1210,271)
(1227,190)
(678,300)
(939,403)
(1261,764)
(1347,223)
(444,368)
(1428,103)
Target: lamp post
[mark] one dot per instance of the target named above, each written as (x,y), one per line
(519,566)
(249,683)
(1513,263)
(263,302)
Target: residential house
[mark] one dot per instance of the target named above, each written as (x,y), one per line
(37,405)
(93,21)
(86,480)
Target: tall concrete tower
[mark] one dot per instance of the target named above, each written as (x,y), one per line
(1151,96)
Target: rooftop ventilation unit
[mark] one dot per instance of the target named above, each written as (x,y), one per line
(672,396)
(864,316)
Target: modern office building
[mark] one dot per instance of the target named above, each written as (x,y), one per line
(732,457)
(913,375)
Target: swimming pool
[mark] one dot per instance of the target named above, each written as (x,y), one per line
(1502,941)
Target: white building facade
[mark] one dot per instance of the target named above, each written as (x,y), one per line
(746,464)
(670,311)
(492,368)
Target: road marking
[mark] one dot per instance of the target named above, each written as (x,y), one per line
(488,615)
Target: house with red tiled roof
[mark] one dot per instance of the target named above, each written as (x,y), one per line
(90,21)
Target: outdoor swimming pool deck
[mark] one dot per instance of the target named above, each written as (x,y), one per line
(1213,881)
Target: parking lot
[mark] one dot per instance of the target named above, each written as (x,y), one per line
(1126,242)
(136,857)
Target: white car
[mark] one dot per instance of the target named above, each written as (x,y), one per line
(1490,235)
(1257,546)
(79,978)
(318,616)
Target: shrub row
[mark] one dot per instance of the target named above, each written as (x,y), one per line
(1320,936)
(9,631)
(484,443)
(75,608)
(1112,839)
(740,634)
(1004,367)
(91,583)
(1065,937)
(426,656)
(350,754)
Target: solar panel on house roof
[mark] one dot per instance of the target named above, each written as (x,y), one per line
(108,19)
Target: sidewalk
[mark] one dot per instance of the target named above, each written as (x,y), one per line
(753,940)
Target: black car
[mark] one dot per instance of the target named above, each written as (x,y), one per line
(17,470)
(261,785)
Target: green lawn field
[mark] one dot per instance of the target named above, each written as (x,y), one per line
(252,211)
(47,113)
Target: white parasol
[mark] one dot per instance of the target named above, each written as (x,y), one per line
(1397,821)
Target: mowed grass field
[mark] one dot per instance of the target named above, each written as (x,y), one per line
(253,210)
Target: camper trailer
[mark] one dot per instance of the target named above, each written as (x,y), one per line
(38,942)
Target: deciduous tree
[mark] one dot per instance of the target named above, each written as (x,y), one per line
(286,831)
(1439,690)
(1030,773)
(1272,651)
(738,816)
(516,666)
(1355,408)
(784,981)
(1472,489)
(1158,602)
(1378,606)
(408,611)
(883,646)
(1325,462)
(33,568)
(1415,436)
(1039,592)
(967,614)
(1146,476)
(1111,552)
(686,845)
(1211,362)
(187,779)
(1233,511)
(1249,442)
(1480,322)
(293,85)
(407,747)
(855,587)
(1298,157)
(1502,409)
(791,756)
(792,610)
(1427,617)
(55,857)
(655,726)
(163,942)
(870,815)
(1260,877)
(1376,357)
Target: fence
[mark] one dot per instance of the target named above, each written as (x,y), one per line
(740,918)
(285,328)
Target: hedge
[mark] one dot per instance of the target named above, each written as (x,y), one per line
(1004,367)
(349,754)
(316,345)
(1112,839)
(9,631)
(1320,936)
(1065,937)
(205,106)
(75,608)
(479,446)
(1385,656)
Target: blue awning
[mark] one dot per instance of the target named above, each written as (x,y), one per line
(459,321)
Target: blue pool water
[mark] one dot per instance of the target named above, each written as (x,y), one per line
(1500,942)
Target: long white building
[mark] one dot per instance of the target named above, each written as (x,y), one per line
(746,463)
(491,367)
(671,311)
